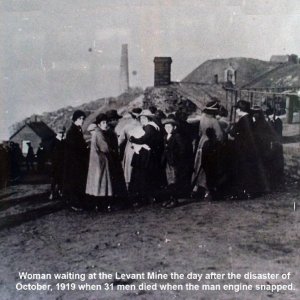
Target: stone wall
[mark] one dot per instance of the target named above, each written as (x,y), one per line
(168,99)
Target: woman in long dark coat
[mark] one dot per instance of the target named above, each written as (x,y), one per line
(263,137)
(115,164)
(270,136)
(76,154)
(146,162)
(247,166)
(175,161)
(57,160)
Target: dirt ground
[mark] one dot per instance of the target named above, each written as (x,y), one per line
(257,236)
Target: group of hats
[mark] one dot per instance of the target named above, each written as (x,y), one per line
(169,120)
(246,107)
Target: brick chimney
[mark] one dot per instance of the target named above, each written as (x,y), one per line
(162,71)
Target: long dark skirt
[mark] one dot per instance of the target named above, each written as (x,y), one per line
(145,177)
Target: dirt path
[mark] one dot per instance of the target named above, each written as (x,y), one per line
(260,236)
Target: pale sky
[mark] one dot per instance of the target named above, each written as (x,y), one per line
(46,63)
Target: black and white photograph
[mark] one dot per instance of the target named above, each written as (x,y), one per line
(149,149)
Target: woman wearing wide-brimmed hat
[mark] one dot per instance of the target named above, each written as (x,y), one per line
(207,120)
(146,169)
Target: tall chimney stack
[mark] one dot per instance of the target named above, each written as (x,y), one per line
(124,72)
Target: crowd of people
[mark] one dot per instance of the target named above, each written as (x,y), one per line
(12,159)
(149,156)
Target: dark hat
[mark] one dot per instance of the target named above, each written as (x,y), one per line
(101,117)
(136,112)
(269,111)
(112,115)
(211,107)
(169,121)
(243,105)
(153,109)
(78,114)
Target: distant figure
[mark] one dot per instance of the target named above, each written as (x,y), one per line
(4,165)
(276,162)
(41,158)
(30,158)
(276,122)
(57,160)
(264,135)
(75,168)
(16,159)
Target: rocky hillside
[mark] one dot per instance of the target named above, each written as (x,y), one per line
(62,116)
